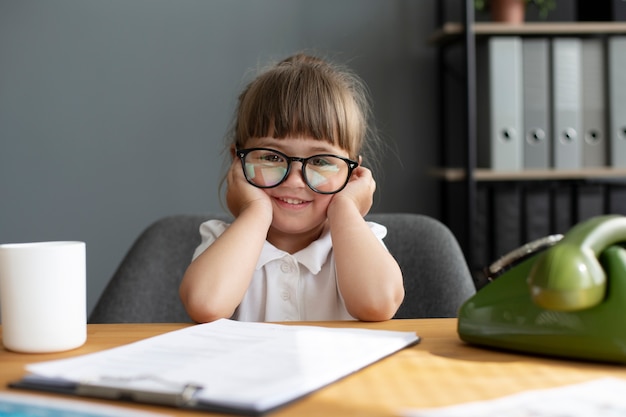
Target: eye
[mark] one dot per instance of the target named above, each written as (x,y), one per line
(321,161)
(271,157)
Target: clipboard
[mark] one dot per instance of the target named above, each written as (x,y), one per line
(250,368)
(183,398)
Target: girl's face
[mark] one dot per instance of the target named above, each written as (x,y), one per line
(298,211)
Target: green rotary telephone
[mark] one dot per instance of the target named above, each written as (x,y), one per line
(559,296)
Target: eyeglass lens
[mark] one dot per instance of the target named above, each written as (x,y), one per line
(323,173)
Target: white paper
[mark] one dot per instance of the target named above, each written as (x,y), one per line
(604,397)
(255,366)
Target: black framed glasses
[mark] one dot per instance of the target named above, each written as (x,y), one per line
(267,168)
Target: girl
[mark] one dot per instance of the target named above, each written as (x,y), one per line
(299,247)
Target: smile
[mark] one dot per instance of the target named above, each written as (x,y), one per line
(291,201)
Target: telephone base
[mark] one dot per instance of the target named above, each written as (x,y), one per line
(503,315)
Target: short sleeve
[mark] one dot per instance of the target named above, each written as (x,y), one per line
(379,231)
(209,232)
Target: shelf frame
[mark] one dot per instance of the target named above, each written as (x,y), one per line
(454,31)
(480,174)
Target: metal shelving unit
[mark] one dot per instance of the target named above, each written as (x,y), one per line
(464,34)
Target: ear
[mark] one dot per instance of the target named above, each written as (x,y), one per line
(233,151)
(360,160)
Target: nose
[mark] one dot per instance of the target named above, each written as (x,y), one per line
(295,178)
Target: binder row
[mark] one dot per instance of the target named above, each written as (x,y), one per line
(512,214)
(551,102)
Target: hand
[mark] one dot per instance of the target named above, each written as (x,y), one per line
(359,190)
(241,195)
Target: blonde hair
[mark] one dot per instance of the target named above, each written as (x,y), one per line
(306,96)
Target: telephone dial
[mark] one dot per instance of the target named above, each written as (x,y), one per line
(557,296)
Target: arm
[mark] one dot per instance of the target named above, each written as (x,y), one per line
(368,276)
(216,281)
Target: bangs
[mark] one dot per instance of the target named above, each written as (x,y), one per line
(301,99)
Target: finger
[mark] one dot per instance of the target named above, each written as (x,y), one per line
(364,172)
(236,172)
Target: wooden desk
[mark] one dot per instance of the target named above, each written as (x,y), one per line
(441,370)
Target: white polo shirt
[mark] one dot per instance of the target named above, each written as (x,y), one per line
(285,287)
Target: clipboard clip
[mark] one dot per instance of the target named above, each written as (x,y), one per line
(115,388)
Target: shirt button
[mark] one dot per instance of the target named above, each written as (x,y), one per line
(285,295)
(285,267)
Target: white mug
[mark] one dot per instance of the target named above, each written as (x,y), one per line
(43,297)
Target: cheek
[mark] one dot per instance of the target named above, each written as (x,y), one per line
(323,200)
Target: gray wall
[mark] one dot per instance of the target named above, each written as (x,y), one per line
(112,113)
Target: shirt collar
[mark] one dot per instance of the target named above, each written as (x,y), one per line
(312,257)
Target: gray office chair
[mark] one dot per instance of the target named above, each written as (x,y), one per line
(144,289)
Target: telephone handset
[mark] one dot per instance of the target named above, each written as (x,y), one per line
(569,276)
(560,295)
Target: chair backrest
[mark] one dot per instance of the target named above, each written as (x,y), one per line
(437,279)
(144,289)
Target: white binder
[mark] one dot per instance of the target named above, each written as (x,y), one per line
(593,102)
(617,100)
(499,75)
(566,103)
(536,110)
